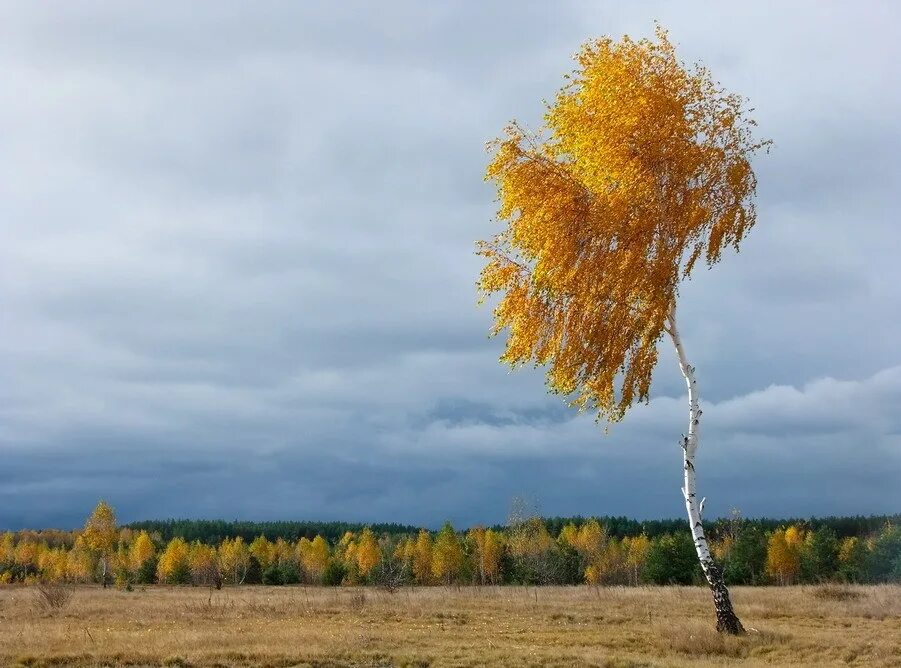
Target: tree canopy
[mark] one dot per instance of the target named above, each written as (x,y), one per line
(641,169)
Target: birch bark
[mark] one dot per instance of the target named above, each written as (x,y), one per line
(726,619)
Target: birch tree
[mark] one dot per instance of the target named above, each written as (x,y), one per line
(640,170)
(100,536)
(368,553)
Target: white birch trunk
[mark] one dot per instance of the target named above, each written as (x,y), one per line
(727,621)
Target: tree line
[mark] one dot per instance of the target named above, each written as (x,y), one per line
(529,550)
(214,532)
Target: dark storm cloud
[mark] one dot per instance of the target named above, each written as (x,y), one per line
(236,270)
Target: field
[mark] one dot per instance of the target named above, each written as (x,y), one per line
(509,626)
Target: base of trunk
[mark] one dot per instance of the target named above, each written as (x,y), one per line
(726,619)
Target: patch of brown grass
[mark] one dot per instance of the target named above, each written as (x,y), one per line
(504,626)
(831,592)
(702,641)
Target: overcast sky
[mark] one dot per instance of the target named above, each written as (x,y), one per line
(237,271)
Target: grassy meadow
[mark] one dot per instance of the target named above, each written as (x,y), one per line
(437,626)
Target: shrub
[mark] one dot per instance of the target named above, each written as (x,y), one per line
(884,560)
(289,573)
(746,564)
(672,560)
(272,576)
(334,574)
(52,596)
(146,573)
(819,557)
(254,573)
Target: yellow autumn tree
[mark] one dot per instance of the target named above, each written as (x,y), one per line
(569,535)
(422,558)
(174,566)
(53,564)
(100,536)
(234,560)
(7,547)
(532,549)
(783,554)
(302,549)
(204,563)
(475,539)
(491,556)
(26,553)
(142,550)
(596,558)
(263,551)
(282,552)
(612,562)
(847,550)
(447,555)
(368,553)
(642,168)
(794,537)
(314,556)
(636,556)
(487,548)
(590,543)
(79,562)
(403,551)
(122,575)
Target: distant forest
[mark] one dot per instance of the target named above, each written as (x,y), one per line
(215,531)
(528,550)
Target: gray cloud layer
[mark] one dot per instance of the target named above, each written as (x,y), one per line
(236,270)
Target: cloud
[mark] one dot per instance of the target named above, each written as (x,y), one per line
(236,269)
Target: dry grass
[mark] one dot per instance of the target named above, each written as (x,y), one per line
(510,626)
(49,596)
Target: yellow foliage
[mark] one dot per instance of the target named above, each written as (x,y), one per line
(79,564)
(52,564)
(722,548)
(142,549)
(447,555)
(100,529)
(422,557)
(174,560)
(641,169)
(234,559)
(569,535)
(403,550)
(530,539)
(27,552)
(492,553)
(488,550)
(794,537)
(848,549)
(7,547)
(314,556)
(283,552)
(591,539)
(264,551)
(204,563)
(783,555)
(612,562)
(346,540)
(368,553)
(637,555)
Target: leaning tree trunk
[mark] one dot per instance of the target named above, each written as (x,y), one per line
(726,619)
